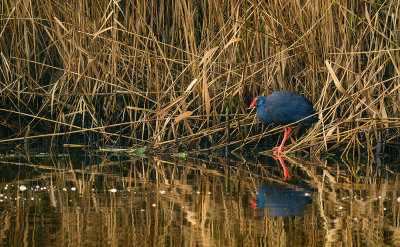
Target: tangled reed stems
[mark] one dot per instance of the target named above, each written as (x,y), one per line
(169,74)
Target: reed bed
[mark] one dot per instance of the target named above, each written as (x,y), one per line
(181,74)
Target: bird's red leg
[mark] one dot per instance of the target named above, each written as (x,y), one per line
(279,150)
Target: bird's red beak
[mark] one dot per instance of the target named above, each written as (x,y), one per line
(254,103)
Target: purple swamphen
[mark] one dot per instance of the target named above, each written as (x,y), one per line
(284,108)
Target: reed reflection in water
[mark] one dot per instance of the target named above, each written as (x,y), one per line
(129,201)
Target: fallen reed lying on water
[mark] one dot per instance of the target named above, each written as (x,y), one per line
(173,74)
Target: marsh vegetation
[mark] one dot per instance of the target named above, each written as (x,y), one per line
(172,74)
(152,91)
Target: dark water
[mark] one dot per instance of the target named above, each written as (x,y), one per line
(118,200)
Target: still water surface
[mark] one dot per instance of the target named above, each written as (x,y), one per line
(119,200)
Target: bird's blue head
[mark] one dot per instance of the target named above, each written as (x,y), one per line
(258,102)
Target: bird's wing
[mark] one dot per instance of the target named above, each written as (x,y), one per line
(290,111)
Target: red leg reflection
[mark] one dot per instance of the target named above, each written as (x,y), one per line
(286,173)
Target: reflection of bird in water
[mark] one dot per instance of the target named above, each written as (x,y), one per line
(283,108)
(281,200)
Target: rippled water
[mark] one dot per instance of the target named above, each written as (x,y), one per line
(118,200)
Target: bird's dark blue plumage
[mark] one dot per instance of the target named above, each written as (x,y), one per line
(284,108)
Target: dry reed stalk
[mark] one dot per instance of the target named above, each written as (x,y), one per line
(172,70)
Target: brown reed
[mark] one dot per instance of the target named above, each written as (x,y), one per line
(168,73)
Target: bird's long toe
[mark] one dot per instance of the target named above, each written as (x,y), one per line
(279,152)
